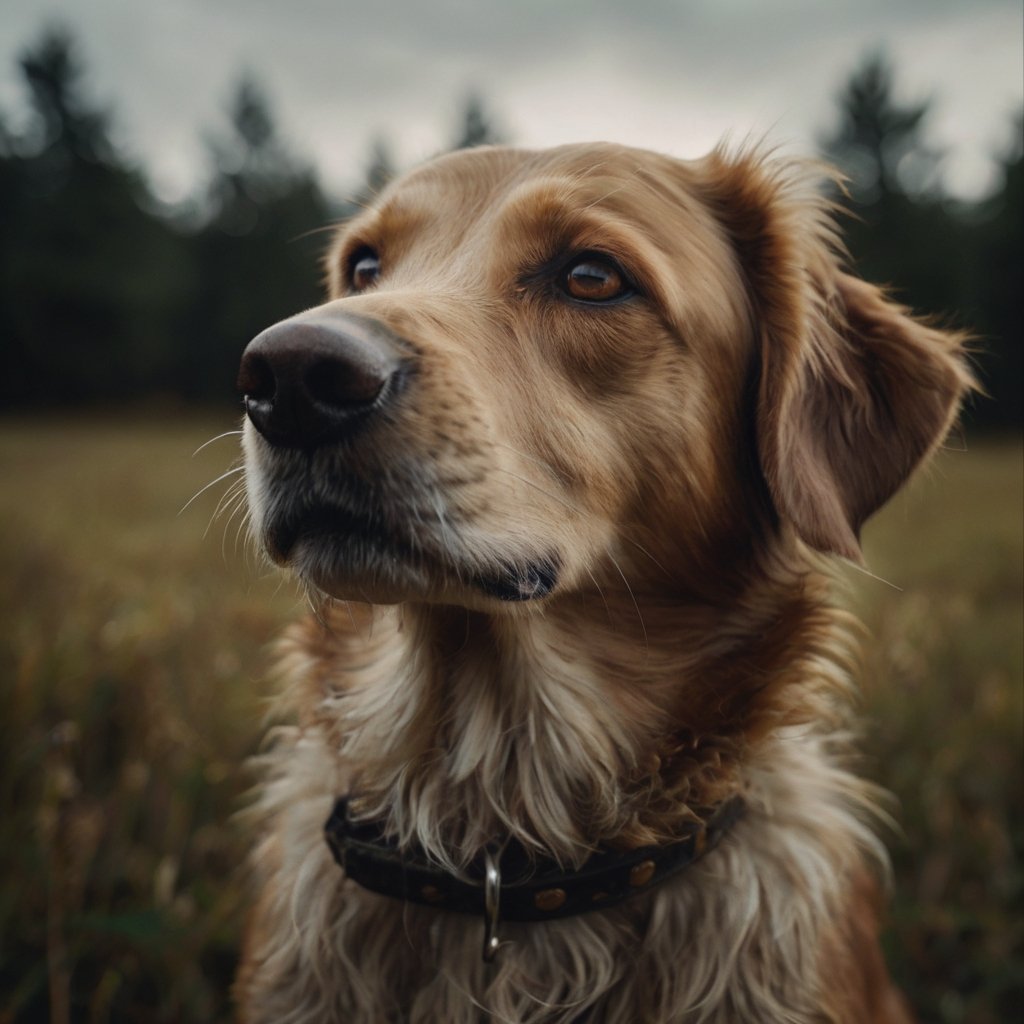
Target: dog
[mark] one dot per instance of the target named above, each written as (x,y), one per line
(566,461)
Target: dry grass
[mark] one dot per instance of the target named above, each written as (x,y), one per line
(131,660)
(131,664)
(943,703)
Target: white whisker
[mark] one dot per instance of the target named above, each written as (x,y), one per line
(228,499)
(206,444)
(203,490)
(644,551)
(547,494)
(243,523)
(871,576)
(533,458)
(231,510)
(632,597)
(600,592)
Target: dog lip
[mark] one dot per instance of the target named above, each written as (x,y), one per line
(526,581)
(356,536)
(325,521)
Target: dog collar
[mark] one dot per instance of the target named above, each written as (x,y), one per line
(509,884)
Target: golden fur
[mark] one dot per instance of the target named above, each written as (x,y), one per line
(687,457)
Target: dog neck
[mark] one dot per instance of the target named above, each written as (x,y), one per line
(461,729)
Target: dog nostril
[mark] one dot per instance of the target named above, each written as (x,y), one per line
(344,384)
(256,378)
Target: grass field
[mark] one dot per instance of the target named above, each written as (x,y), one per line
(131,667)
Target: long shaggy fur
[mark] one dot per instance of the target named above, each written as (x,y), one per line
(687,457)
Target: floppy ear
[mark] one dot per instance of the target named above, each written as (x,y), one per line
(853,392)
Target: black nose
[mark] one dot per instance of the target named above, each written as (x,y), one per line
(308,381)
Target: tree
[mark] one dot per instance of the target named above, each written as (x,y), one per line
(477,128)
(380,169)
(256,255)
(959,261)
(65,125)
(878,141)
(252,170)
(84,276)
(902,232)
(998,309)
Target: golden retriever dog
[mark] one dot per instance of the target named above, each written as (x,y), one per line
(562,461)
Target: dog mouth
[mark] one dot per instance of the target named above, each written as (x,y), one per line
(323,525)
(351,554)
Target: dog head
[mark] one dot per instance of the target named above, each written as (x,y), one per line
(542,371)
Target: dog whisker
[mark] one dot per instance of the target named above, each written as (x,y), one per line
(600,591)
(541,490)
(625,537)
(569,505)
(219,437)
(871,576)
(230,496)
(632,597)
(324,229)
(236,508)
(212,483)
(557,474)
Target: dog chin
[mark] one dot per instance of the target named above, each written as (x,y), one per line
(350,570)
(357,558)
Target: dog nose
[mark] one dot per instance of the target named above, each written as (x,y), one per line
(308,381)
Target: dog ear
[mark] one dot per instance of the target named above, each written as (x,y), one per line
(853,392)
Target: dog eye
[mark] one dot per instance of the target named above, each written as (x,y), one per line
(364,269)
(594,278)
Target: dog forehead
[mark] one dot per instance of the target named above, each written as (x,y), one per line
(485,173)
(476,218)
(464,180)
(459,193)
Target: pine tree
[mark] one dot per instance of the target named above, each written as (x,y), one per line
(257,253)
(380,169)
(477,128)
(902,233)
(998,269)
(879,142)
(83,275)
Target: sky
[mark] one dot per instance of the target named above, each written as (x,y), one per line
(672,75)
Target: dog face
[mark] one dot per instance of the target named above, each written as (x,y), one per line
(541,372)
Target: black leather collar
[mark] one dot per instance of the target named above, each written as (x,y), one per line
(511,885)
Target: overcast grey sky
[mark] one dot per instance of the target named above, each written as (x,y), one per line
(672,75)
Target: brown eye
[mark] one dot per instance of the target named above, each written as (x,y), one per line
(595,279)
(365,266)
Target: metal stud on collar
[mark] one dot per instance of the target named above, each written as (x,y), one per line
(492,906)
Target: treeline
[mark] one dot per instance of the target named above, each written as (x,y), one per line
(960,262)
(108,296)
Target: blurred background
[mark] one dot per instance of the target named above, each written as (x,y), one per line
(167,173)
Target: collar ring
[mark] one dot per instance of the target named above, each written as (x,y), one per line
(492,906)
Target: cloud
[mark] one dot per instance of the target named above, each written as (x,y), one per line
(667,74)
